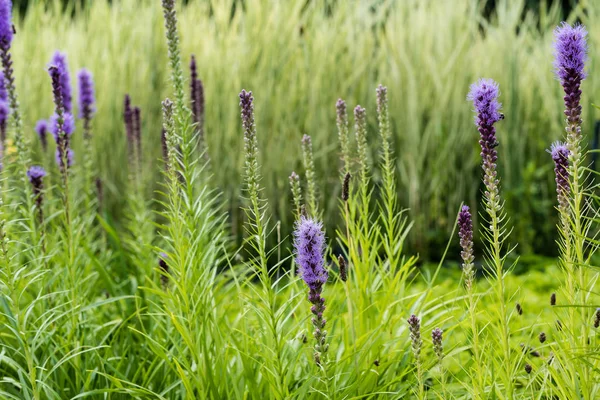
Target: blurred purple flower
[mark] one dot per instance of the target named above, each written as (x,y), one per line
(560,156)
(41,128)
(59,60)
(87,96)
(6,25)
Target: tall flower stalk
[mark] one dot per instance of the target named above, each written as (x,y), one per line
(465,233)
(309,245)
(343,135)
(309,169)
(87,104)
(6,38)
(414,326)
(570,56)
(484,95)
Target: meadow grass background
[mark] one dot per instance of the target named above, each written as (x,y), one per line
(299,57)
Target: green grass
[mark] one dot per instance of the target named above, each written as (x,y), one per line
(86,310)
(299,60)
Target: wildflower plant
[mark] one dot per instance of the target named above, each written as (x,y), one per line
(484,95)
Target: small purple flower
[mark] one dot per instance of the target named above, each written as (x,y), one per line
(247,107)
(41,128)
(414,326)
(4,113)
(6,25)
(36,175)
(560,156)
(597,318)
(436,338)
(59,60)
(465,233)
(87,96)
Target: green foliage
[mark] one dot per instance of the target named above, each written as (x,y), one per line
(179,283)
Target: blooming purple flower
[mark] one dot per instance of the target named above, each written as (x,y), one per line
(36,175)
(87,97)
(484,95)
(570,51)
(41,129)
(570,55)
(59,60)
(68,125)
(6,25)
(309,243)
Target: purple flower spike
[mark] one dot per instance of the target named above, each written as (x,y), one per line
(59,60)
(570,55)
(3,90)
(560,156)
(247,107)
(36,175)
(484,95)
(570,51)
(414,326)
(41,128)
(309,244)
(465,233)
(6,25)
(437,338)
(164,269)
(87,96)
(59,159)
(68,125)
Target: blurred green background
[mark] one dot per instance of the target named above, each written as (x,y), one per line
(299,57)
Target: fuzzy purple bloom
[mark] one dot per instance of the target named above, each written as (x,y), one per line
(484,95)
(87,96)
(41,128)
(570,51)
(309,242)
(68,125)
(36,175)
(560,156)
(570,55)
(59,60)
(6,25)
(597,318)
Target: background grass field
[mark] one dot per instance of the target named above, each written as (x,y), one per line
(299,58)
